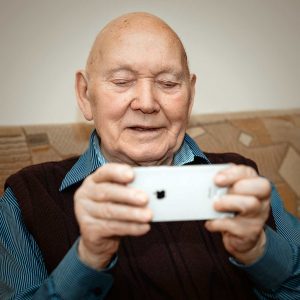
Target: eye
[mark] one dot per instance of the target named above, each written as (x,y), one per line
(122,82)
(168,84)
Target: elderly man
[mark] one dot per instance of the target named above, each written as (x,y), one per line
(138,90)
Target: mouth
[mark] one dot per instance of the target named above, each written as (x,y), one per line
(144,128)
(148,130)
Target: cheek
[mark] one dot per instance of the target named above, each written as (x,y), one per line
(177,108)
(108,113)
(109,105)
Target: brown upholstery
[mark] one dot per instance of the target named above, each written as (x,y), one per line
(271,139)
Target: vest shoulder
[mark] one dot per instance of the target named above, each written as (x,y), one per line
(59,168)
(230,157)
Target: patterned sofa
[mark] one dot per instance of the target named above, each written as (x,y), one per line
(271,138)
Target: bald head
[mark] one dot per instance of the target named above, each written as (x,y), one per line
(132,23)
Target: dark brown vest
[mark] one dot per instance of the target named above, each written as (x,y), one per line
(175,260)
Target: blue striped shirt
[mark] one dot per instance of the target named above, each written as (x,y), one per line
(23,274)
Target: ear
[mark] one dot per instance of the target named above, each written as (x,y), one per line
(82,95)
(193,79)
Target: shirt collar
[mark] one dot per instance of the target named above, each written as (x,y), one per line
(93,158)
(187,152)
(87,163)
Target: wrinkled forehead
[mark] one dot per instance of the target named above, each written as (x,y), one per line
(138,43)
(142,51)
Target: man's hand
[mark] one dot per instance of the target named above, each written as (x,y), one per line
(107,209)
(248,196)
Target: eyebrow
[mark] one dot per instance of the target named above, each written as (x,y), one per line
(110,72)
(179,75)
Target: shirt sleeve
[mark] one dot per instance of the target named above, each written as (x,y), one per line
(23,274)
(276,274)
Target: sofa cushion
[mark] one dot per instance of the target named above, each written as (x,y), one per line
(270,138)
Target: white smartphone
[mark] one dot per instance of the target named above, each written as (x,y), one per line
(181,193)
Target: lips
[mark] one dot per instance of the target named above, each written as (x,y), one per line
(145,125)
(144,128)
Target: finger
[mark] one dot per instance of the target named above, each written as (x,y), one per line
(113,192)
(109,228)
(234,173)
(113,172)
(255,186)
(113,211)
(237,226)
(238,246)
(244,205)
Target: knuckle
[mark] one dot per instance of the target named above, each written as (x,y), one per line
(254,203)
(112,228)
(80,192)
(246,170)
(138,214)
(102,169)
(266,186)
(244,206)
(110,166)
(240,167)
(103,191)
(85,221)
(113,168)
(86,187)
(102,195)
(87,182)
(133,213)
(236,169)
(79,200)
(249,171)
(107,210)
(250,205)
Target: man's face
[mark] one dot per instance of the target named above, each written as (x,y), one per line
(140,96)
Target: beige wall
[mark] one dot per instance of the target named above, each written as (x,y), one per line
(246,53)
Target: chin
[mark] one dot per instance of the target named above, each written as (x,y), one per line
(150,158)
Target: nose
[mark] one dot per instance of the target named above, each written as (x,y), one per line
(144,98)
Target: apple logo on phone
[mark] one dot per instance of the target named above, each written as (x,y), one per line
(160,194)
